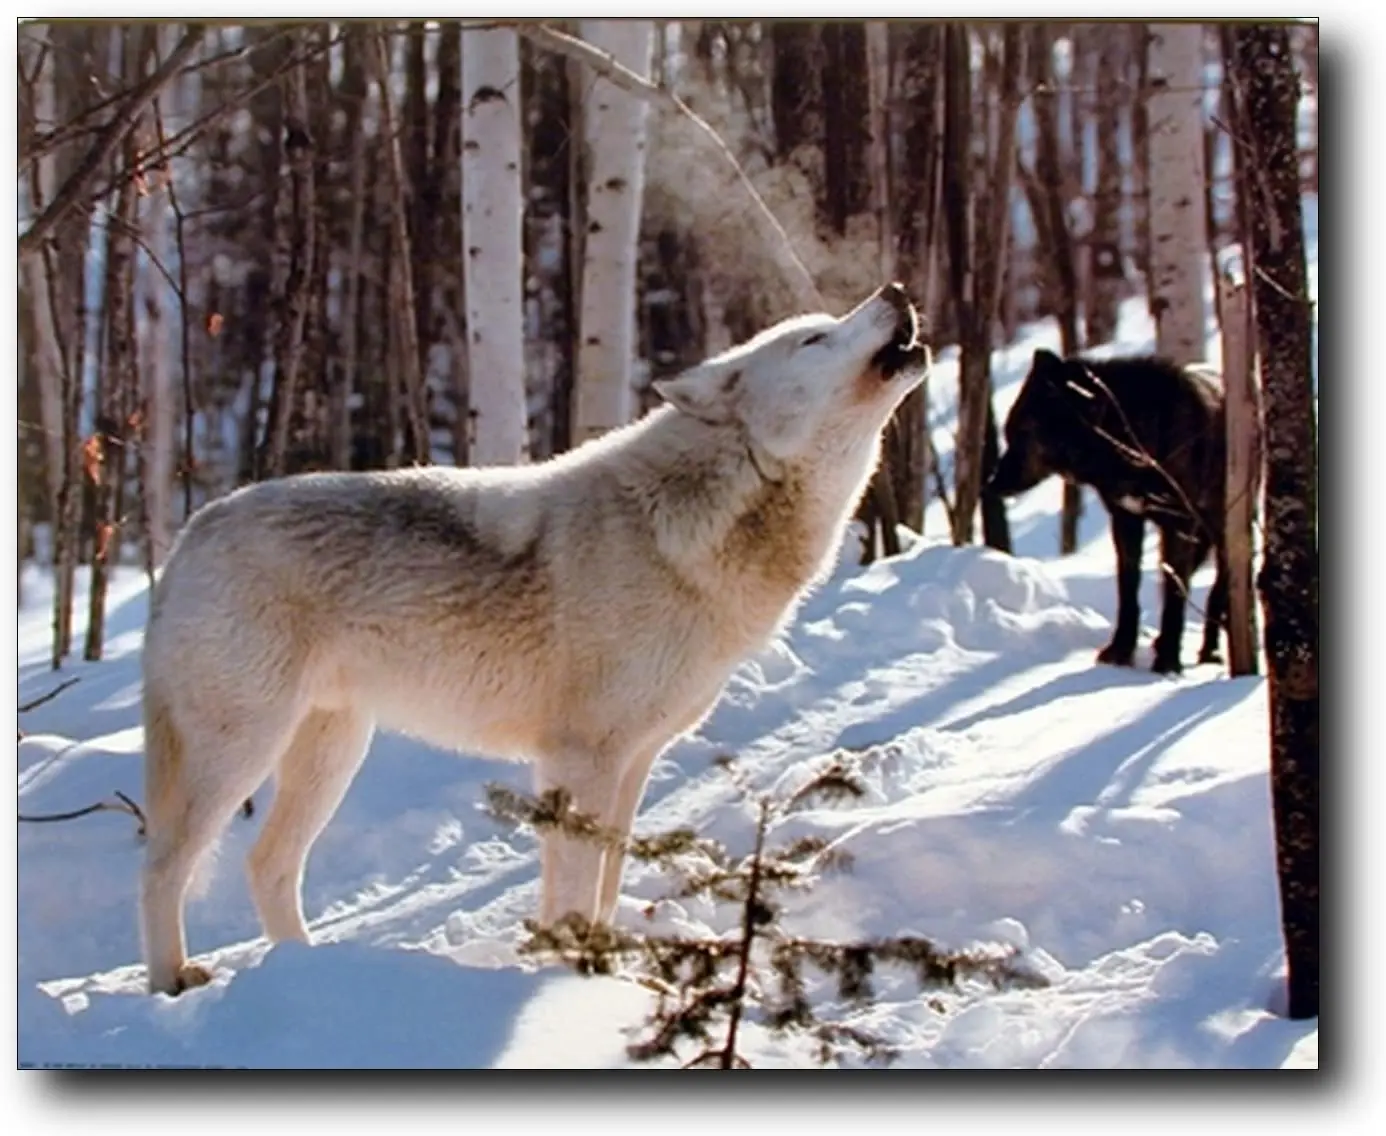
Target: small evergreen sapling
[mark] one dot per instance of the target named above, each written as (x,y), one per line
(708,987)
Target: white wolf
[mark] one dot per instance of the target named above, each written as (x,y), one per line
(579,614)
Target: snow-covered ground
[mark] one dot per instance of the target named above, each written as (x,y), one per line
(1113,823)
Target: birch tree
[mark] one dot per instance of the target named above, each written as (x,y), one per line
(614,124)
(493,243)
(156,347)
(1178,232)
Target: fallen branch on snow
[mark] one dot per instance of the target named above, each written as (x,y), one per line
(122,804)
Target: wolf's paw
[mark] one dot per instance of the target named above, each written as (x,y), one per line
(1167,665)
(1212,655)
(190,976)
(1116,655)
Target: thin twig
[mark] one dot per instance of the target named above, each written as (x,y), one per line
(24,708)
(122,804)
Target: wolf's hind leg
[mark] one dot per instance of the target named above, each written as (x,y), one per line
(1215,619)
(314,774)
(1128,538)
(195,782)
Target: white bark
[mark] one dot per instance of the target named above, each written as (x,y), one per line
(614,130)
(492,244)
(1178,235)
(158,344)
(34,270)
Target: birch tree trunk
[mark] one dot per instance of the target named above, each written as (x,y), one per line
(1289,579)
(1178,232)
(614,134)
(493,243)
(156,347)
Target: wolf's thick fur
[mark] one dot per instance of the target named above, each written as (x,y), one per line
(579,614)
(1150,438)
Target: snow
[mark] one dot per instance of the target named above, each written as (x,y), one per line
(1113,824)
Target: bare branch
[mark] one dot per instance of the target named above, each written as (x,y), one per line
(122,804)
(25,707)
(107,142)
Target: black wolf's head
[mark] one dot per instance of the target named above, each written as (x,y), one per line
(1047,424)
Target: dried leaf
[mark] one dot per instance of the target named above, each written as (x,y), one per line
(104,531)
(93,453)
(214,324)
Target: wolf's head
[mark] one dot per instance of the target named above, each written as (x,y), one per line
(1054,409)
(813,380)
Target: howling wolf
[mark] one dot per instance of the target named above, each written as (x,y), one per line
(1150,438)
(579,614)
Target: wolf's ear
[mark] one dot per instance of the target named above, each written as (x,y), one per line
(1045,363)
(701,393)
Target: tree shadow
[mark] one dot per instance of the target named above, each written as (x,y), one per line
(1117,760)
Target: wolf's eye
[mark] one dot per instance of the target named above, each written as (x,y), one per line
(816,337)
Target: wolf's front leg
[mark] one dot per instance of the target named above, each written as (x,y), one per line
(631,790)
(571,865)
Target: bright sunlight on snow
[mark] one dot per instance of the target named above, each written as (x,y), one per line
(1113,824)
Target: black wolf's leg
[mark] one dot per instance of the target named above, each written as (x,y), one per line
(1180,553)
(1216,618)
(1128,535)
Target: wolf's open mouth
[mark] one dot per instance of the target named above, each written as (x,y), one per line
(905,349)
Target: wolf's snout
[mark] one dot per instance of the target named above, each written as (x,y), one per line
(906,318)
(905,346)
(895,295)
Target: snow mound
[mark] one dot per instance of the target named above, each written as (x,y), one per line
(340,1006)
(976,598)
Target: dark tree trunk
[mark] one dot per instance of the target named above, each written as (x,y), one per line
(796,91)
(351,96)
(846,130)
(1106,263)
(118,386)
(443,196)
(67,266)
(550,124)
(919,90)
(295,236)
(1140,146)
(1289,578)
(976,197)
(1047,193)
(996,526)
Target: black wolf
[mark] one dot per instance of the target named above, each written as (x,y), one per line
(1149,437)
